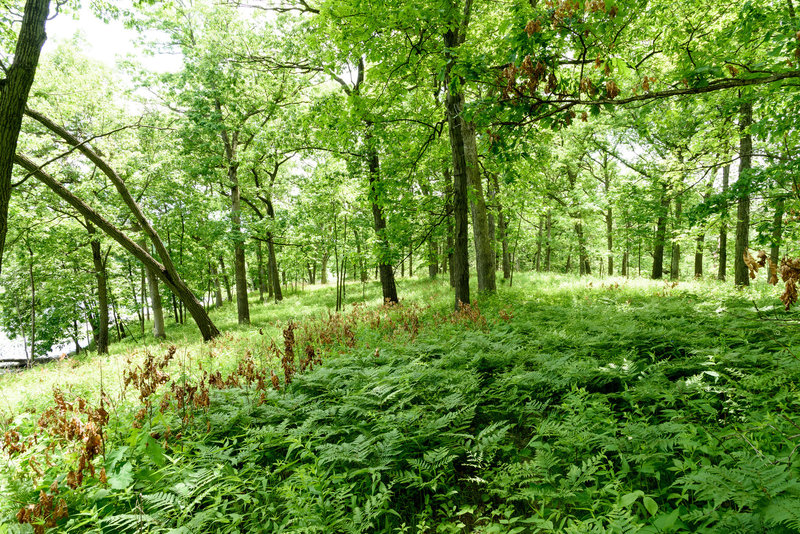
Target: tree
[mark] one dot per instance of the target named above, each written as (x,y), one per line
(14,89)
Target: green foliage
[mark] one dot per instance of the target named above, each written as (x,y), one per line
(629,408)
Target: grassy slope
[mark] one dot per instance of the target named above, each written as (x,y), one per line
(575,407)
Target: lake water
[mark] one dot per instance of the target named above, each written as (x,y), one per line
(13,349)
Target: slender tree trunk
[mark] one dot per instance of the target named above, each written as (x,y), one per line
(610,238)
(585,267)
(323,271)
(539,238)
(777,230)
(433,259)
(217,286)
(723,229)
(33,306)
(388,287)
(548,245)
(139,306)
(742,273)
(450,235)
(491,208)
(144,297)
(155,299)
(362,263)
(101,341)
(661,236)
(14,96)
(272,260)
(484,253)
(675,264)
(502,228)
(262,274)
(698,255)
(225,278)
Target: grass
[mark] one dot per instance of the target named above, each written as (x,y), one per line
(561,404)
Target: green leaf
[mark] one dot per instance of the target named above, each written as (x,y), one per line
(123,479)
(650,505)
(630,498)
(155,451)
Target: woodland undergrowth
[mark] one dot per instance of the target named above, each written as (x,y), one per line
(562,405)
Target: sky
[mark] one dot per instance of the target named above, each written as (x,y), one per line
(106,42)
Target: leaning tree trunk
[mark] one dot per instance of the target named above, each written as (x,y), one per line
(723,229)
(14,91)
(742,273)
(166,271)
(167,268)
(101,341)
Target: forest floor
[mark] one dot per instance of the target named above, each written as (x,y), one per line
(558,405)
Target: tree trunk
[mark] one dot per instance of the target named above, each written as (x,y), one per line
(675,264)
(136,298)
(585,267)
(14,96)
(155,298)
(539,238)
(777,230)
(225,278)
(698,255)
(230,142)
(484,253)
(433,259)
(362,263)
(262,273)
(323,271)
(460,265)
(502,230)
(548,248)
(450,235)
(272,260)
(661,236)
(723,229)
(217,286)
(742,273)
(610,238)
(239,267)
(33,306)
(386,272)
(492,206)
(166,271)
(101,341)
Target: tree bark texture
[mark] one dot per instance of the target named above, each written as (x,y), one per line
(14,96)
(723,229)
(101,340)
(742,273)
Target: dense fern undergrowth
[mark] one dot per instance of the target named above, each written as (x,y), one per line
(561,405)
